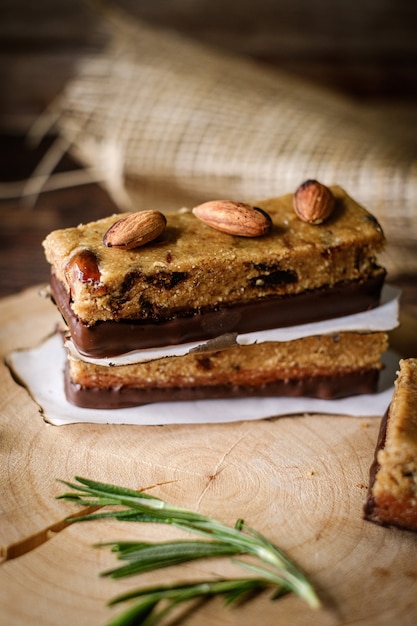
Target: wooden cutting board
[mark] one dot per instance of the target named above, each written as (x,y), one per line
(300,480)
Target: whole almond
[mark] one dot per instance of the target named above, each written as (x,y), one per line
(84,267)
(135,230)
(234,218)
(313,202)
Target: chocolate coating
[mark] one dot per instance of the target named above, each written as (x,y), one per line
(324,387)
(369,504)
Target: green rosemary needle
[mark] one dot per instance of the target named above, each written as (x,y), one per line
(273,569)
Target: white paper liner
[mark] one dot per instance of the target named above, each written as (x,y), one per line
(40,370)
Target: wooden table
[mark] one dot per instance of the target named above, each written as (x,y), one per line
(300,480)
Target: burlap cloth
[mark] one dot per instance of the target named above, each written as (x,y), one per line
(167,123)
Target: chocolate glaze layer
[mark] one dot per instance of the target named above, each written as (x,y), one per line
(324,387)
(369,505)
(109,338)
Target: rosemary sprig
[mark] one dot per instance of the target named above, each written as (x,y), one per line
(275,569)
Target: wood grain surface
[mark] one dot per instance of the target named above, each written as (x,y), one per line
(300,480)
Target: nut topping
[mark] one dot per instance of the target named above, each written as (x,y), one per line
(83,267)
(135,230)
(234,218)
(313,202)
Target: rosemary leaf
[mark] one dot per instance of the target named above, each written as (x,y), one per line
(136,614)
(221,586)
(146,558)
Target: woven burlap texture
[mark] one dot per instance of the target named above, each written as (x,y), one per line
(168,122)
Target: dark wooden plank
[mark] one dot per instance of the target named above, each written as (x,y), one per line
(366,52)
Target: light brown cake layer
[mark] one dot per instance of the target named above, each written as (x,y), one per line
(247,368)
(392,497)
(192,266)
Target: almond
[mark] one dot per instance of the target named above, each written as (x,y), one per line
(83,266)
(313,202)
(135,230)
(234,218)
